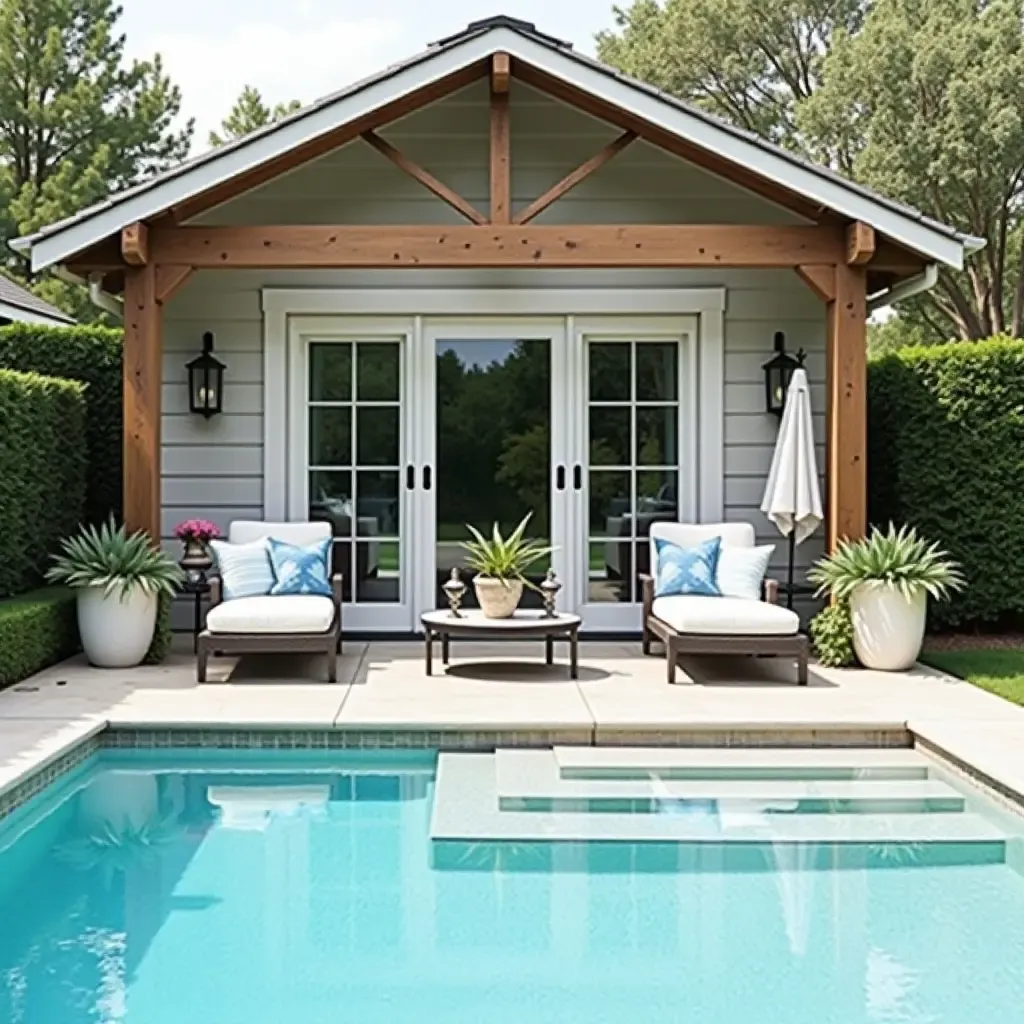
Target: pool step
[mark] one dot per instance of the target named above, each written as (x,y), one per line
(530,780)
(467,809)
(741,762)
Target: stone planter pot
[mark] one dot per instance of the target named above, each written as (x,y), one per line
(888,628)
(196,560)
(116,633)
(498,599)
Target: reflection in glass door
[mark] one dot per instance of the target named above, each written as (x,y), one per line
(354,453)
(493,432)
(632,431)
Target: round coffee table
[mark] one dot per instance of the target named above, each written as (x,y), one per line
(443,625)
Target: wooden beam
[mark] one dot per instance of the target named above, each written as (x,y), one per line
(670,142)
(303,153)
(820,278)
(169,278)
(571,180)
(891,258)
(501,72)
(655,245)
(501,163)
(425,178)
(142,366)
(135,244)
(847,406)
(860,244)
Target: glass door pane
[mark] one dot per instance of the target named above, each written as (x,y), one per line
(631,426)
(493,447)
(354,455)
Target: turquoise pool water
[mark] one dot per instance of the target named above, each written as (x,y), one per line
(305,890)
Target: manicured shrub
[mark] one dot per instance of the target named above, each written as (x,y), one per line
(946,455)
(36,630)
(91,355)
(832,634)
(162,635)
(42,473)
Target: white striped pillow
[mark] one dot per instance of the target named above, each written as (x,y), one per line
(245,569)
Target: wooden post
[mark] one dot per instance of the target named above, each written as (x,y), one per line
(142,366)
(501,170)
(847,406)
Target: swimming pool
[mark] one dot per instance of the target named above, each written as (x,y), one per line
(263,888)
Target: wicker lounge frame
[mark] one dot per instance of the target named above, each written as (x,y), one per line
(794,645)
(329,643)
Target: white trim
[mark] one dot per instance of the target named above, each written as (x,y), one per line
(822,188)
(275,412)
(710,439)
(27,316)
(491,302)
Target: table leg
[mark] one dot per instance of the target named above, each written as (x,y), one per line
(574,638)
(428,636)
(197,614)
(444,647)
(549,650)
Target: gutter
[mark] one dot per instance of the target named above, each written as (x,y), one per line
(923,282)
(97,296)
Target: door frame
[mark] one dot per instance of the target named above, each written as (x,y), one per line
(289,311)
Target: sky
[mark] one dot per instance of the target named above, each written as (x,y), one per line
(304,49)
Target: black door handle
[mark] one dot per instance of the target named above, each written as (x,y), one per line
(426,478)
(577,476)
(560,478)
(410,477)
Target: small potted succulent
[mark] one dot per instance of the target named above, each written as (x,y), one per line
(501,565)
(119,578)
(886,579)
(196,534)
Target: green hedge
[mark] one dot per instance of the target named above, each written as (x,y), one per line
(91,355)
(946,454)
(42,473)
(36,630)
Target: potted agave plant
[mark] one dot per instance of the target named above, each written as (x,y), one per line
(119,578)
(886,579)
(501,564)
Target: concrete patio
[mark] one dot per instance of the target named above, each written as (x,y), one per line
(620,697)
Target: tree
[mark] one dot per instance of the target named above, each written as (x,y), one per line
(77,121)
(248,114)
(922,100)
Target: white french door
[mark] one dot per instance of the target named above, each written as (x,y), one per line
(492,435)
(403,430)
(634,447)
(350,428)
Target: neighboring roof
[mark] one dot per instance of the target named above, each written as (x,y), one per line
(523,41)
(16,303)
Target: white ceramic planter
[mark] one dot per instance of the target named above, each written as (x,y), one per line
(888,628)
(116,633)
(498,599)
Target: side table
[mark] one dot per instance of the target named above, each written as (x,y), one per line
(197,587)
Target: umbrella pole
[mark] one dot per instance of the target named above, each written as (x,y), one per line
(789,580)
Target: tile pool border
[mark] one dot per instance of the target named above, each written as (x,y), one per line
(39,777)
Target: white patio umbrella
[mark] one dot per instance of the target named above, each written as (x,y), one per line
(792,497)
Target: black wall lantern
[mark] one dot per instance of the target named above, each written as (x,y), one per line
(777,373)
(206,381)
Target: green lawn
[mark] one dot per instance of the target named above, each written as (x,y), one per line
(999,671)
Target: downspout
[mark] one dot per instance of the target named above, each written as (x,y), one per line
(97,296)
(923,282)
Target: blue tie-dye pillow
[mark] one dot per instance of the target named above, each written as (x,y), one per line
(300,570)
(686,570)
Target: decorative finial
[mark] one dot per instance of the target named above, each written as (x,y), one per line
(549,589)
(454,589)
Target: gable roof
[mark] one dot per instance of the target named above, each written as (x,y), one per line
(19,304)
(481,39)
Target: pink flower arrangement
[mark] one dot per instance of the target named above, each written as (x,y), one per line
(201,530)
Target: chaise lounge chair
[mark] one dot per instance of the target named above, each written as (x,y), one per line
(695,624)
(273,624)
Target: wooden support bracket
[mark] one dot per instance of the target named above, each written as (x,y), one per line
(135,244)
(169,278)
(571,180)
(820,278)
(424,177)
(860,244)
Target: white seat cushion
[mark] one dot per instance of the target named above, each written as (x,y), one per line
(292,613)
(691,613)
